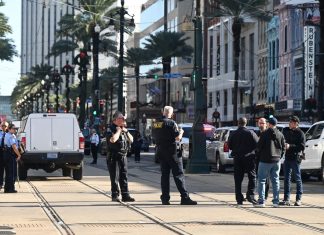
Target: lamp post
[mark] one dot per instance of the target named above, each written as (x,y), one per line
(95,54)
(56,79)
(122,12)
(198,162)
(67,70)
(47,86)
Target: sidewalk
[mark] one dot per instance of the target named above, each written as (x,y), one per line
(89,210)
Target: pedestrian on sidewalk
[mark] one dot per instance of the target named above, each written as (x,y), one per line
(243,143)
(271,147)
(295,145)
(138,141)
(118,142)
(3,131)
(11,155)
(262,124)
(166,132)
(94,139)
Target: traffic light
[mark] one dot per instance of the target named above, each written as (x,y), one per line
(193,80)
(156,76)
(94,112)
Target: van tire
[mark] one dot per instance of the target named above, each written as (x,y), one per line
(66,171)
(321,174)
(22,171)
(77,173)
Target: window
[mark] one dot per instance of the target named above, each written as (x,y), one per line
(243,58)
(211,50)
(277,53)
(251,66)
(226,58)
(285,81)
(286,38)
(210,100)
(273,55)
(225,102)
(315,132)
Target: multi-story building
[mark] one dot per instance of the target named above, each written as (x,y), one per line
(298,45)
(5,109)
(220,86)
(152,21)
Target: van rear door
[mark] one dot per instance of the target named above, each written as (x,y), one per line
(41,136)
(63,134)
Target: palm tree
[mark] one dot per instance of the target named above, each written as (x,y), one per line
(81,29)
(321,69)
(136,57)
(7,48)
(167,45)
(238,10)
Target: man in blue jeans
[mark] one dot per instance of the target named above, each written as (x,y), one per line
(270,147)
(295,145)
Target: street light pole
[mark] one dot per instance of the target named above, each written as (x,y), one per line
(121,58)
(95,54)
(56,79)
(67,70)
(198,162)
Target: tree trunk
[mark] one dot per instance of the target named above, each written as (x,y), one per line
(165,82)
(83,97)
(236,29)
(321,62)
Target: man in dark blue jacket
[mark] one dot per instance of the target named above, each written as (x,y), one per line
(243,143)
(295,145)
(271,147)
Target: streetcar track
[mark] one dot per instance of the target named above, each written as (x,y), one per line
(53,216)
(146,214)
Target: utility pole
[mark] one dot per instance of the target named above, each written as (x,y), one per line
(198,162)
(321,62)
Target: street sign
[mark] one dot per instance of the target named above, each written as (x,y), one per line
(172,75)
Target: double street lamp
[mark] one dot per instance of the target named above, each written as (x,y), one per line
(131,25)
(46,86)
(95,54)
(67,70)
(56,79)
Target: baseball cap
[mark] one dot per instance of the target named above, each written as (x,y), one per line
(273,121)
(117,115)
(294,119)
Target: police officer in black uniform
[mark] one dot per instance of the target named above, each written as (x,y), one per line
(11,155)
(166,132)
(3,131)
(118,142)
(243,143)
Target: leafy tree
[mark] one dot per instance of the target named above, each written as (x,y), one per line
(135,58)
(167,45)
(238,10)
(7,48)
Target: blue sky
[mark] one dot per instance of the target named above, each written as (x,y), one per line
(10,71)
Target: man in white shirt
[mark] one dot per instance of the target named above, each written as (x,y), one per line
(94,139)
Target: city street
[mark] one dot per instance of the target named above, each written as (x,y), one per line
(51,204)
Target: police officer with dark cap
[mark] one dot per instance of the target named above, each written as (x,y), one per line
(295,145)
(11,155)
(243,143)
(118,142)
(3,132)
(166,132)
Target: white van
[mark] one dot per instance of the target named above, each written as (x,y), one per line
(314,151)
(52,141)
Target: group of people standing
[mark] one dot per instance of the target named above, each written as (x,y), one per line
(9,156)
(260,156)
(165,132)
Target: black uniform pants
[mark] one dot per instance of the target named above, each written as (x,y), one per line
(244,165)
(1,168)
(94,152)
(169,161)
(137,152)
(10,165)
(117,166)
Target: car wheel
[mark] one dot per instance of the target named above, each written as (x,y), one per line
(77,173)
(66,171)
(219,166)
(22,171)
(321,174)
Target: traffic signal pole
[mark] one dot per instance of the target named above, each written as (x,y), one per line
(198,162)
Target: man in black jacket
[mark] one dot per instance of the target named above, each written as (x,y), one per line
(271,147)
(295,145)
(243,143)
